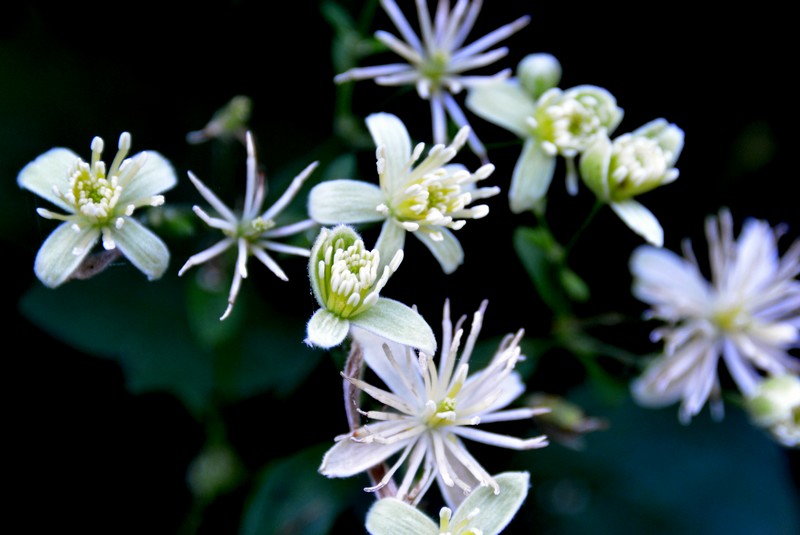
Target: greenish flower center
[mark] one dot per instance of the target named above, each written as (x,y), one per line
(91,193)
(253,229)
(638,164)
(351,273)
(431,198)
(444,415)
(729,319)
(435,68)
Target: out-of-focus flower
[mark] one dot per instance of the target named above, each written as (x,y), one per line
(100,204)
(566,422)
(436,61)
(230,121)
(429,199)
(481,513)
(552,123)
(633,164)
(775,406)
(747,314)
(254,231)
(346,279)
(430,411)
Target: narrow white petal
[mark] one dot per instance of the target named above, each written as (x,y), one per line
(640,220)
(144,249)
(56,259)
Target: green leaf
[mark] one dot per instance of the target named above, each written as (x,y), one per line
(292,498)
(540,255)
(141,325)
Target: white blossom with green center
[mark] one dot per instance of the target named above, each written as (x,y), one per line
(437,61)
(254,232)
(427,412)
(99,203)
(428,197)
(633,164)
(551,121)
(346,279)
(481,513)
(748,313)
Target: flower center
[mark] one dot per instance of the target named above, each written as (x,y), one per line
(569,124)
(91,193)
(444,414)
(253,229)
(638,164)
(729,319)
(353,272)
(432,198)
(435,68)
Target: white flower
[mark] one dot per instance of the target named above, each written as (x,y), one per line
(554,123)
(481,513)
(775,406)
(747,313)
(429,200)
(633,164)
(346,280)
(430,412)
(254,231)
(100,204)
(437,61)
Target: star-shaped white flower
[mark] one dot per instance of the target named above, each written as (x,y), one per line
(100,204)
(254,231)
(748,313)
(429,199)
(437,61)
(430,411)
(481,513)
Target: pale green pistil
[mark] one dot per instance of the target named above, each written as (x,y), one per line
(353,273)
(445,414)
(730,320)
(252,229)
(435,68)
(91,193)
(429,198)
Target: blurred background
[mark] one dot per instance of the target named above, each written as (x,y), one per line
(130,407)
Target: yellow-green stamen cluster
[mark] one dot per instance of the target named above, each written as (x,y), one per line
(638,164)
(462,528)
(348,277)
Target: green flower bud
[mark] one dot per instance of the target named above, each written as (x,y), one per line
(538,72)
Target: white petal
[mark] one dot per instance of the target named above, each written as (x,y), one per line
(503,103)
(345,201)
(347,458)
(398,323)
(391,239)
(531,179)
(390,133)
(144,249)
(49,169)
(661,276)
(640,220)
(391,516)
(326,330)
(447,251)
(495,510)
(155,176)
(55,260)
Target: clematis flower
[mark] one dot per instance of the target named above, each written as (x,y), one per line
(552,123)
(775,406)
(254,232)
(481,513)
(346,279)
(430,411)
(633,164)
(99,205)
(429,200)
(436,61)
(747,314)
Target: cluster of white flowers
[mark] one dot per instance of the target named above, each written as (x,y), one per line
(747,315)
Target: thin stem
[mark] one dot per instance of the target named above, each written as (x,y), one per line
(579,232)
(354,367)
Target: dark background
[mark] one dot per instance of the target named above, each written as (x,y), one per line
(86,453)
